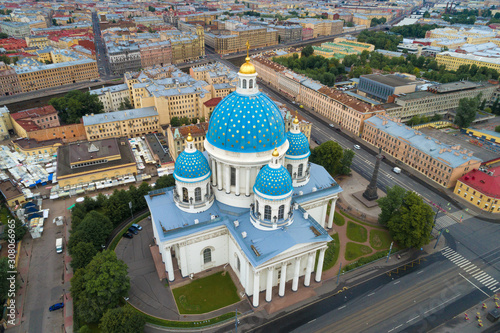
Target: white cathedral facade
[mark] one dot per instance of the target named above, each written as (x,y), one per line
(251,200)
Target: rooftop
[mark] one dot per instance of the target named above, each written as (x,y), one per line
(484,182)
(26,143)
(196,130)
(124,115)
(392,80)
(34,113)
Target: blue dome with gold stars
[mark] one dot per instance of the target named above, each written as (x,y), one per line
(299,146)
(190,166)
(273,181)
(246,123)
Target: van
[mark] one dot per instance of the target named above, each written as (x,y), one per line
(396,170)
(59,245)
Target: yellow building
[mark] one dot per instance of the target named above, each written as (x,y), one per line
(30,147)
(127,123)
(453,60)
(230,41)
(176,137)
(480,188)
(12,194)
(37,41)
(88,162)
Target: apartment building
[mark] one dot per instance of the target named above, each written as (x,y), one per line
(9,82)
(158,53)
(438,99)
(480,188)
(31,147)
(320,27)
(5,123)
(40,41)
(34,119)
(453,60)
(230,41)
(112,97)
(176,137)
(12,44)
(186,46)
(15,29)
(289,33)
(127,123)
(441,163)
(124,56)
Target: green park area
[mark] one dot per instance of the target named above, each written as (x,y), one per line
(206,294)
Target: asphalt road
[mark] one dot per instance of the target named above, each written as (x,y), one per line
(101,57)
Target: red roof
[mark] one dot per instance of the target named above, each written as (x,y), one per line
(28,125)
(213,101)
(484,182)
(33,113)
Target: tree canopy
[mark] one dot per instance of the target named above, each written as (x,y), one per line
(466,111)
(122,320)
(330,155)
(307,51)
(4,282)
(95,228)
(125,104)
(390,203)
(99,286)
(75,104)
(165,181)
(81,255)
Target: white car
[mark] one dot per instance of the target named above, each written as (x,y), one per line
(357,147)
(331,125)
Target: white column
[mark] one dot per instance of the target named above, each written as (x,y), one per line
(170,265)
(214,173)
(307,277)
(319,269)
(282,280)
(332,212)
(184,262)
(295,282)
(269,285)
(219,176)
(248,274)
(237,183)
(256,277)
(247,182)
(227,176)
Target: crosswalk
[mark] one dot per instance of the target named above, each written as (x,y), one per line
(483,278)
(444,221)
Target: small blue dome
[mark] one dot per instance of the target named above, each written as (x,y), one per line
(191,165)
(298,144)
(246,123)
(273,182)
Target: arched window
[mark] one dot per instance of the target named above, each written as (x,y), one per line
(301,168)
(197,194)
(185,195)
(267,212)
(238,264)
(207,256)
(244,84)
(281,212)
(289,168)
(250,84)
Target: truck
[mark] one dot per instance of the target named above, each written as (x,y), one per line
(396,170)
(59,245)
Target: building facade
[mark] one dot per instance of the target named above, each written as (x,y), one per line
(379,87)
(159,53)
(112,97)
(480,188)
(453,60)
(9,82)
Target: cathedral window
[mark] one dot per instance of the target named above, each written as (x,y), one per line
(207,256)
(233,176)
(281,212)
(244,84)
(185,195)
(301,168)
(250,84)
(197,194)
(238,264)
(289,168)
(267,212)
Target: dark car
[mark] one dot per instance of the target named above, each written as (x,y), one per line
(133,230)
(338,129)
(56,306)
(317,142)
(128,235)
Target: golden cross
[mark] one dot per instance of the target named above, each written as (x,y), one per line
(248,48)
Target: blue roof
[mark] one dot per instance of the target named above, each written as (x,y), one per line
(191,166)
(273,181)
(298,144)
(246,123)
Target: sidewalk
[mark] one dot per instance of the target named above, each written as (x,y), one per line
(23,270)
(68,274)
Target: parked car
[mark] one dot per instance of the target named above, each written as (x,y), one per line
(56,306)
(338,129)
(396,170)
(138,227)
(128,235)
(331,125)
(357,147)
(317,142)
(133,230)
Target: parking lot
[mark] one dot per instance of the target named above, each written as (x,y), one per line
(455,137)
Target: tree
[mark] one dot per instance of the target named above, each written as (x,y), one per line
(390,203)
(75,104)
(122,320)
(95,228)
(54,23)
(349,24)
(19,231)
(427,14)
(307,51)
(165,181)
(466,111)
(81,254)
(497,129)
(328,154)
(151,9)
(100,286)
(125,104)
(4,275)
(117,207)
(3,35)
(346,161)
(412,224)
(175,122)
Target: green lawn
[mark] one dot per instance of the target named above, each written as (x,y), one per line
(356,232)
(379,239)
(361,222)
(4,214)
(355,250)
(331,254)
(206,294)
(338,219)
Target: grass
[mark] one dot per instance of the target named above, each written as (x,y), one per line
(4,214)
(172,323)
(206,294)
(338,219)
(118,237)
(361,222)
(356,232)
(331,254)
(355,250)
(380,239)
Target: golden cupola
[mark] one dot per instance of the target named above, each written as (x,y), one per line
(247,67)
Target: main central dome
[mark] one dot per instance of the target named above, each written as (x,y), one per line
(246,123)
